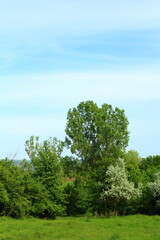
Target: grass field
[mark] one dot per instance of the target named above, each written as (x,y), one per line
(136,227)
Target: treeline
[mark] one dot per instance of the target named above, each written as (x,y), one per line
(100,177)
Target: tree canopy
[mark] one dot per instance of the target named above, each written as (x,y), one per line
(94,133)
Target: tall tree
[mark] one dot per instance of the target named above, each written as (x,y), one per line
(95,133)
(98,136)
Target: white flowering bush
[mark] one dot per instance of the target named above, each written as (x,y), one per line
(118,190)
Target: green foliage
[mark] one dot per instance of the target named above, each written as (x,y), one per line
(46,161)
(4,198)
(154,188)
(132,165)
(149,167)
(34,188)
(71,166)
(95,133)
(77,198)
(45,158)
(13,200)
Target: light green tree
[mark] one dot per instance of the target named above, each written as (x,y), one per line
(95,133)
(132,164)
(47,169)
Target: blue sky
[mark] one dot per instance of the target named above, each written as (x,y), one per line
(54,54)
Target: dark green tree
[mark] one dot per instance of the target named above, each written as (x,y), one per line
(71,166)
(149,167)
(77,201)
(13,199)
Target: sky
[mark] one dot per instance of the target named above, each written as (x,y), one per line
(55,54)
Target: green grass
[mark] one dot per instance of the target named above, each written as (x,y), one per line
(136,227)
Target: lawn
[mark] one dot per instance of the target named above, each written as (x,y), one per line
(136,227)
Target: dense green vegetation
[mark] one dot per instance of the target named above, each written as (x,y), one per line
(123,228)
(100,178)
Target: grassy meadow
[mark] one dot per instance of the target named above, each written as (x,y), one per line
(136,227)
